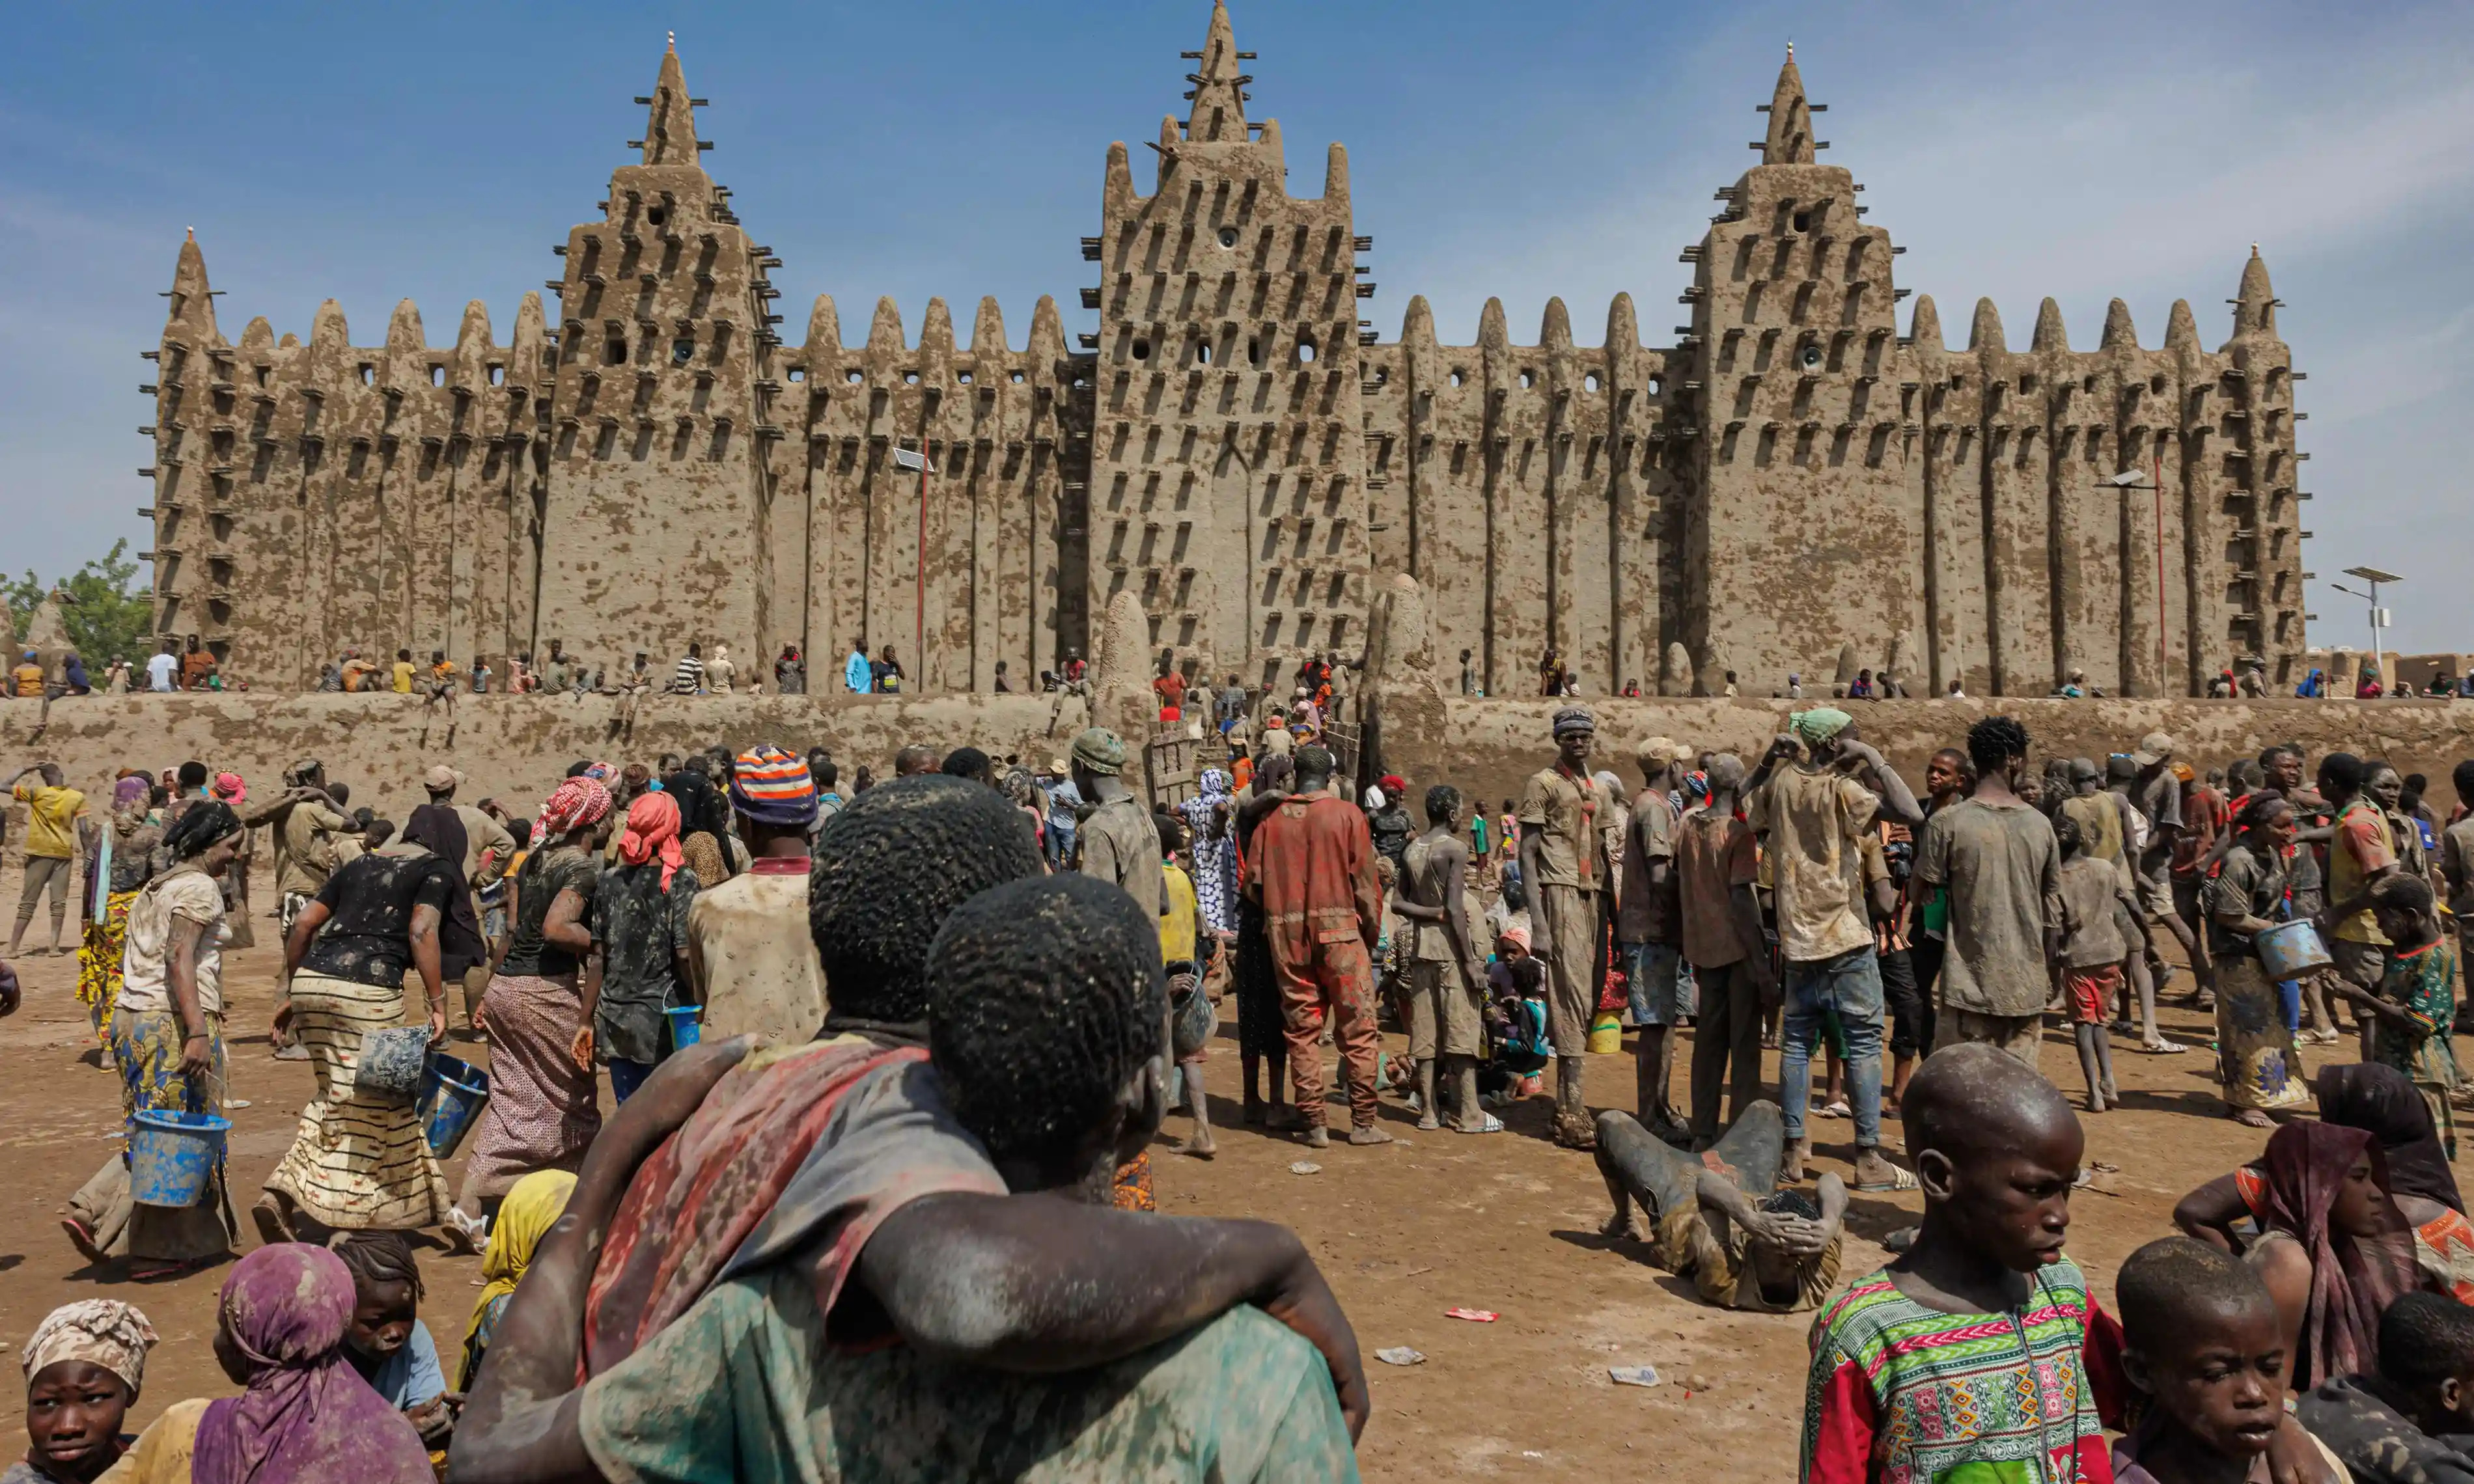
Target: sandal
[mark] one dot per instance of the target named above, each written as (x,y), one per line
(82,1238)
(1900,1179)
(1493,1125)
(1837,1107)
(2160,1046)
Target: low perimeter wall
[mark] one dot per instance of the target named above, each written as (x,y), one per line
(516,747)
(1493,746)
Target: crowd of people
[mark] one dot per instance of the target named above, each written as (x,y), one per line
(889,1067)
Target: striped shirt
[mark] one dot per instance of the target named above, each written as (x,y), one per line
(690,676)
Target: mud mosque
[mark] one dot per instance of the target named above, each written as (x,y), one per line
(1783,482)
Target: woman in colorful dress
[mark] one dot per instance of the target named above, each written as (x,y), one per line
(1210,822)
(2257,1061)
(123,853)
(360,1161)
(542,1113)
(168,1041)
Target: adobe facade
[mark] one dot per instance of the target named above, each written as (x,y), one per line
(1784,484)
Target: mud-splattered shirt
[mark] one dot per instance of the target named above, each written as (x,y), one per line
(370,903)
(640,931)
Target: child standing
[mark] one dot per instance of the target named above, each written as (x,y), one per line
(1980,1350)
(2088,969)
(2410,1015)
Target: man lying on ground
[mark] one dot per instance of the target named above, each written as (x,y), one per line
(988,1334)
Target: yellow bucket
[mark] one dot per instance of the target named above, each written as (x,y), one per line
(1606,1034)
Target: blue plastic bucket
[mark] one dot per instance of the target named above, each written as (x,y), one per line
(172,1156)
(687,1026)
(2290,950)
(462,1092)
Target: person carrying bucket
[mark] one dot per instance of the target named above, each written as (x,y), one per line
(167,1040)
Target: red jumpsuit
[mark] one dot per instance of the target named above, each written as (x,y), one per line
(1312,867)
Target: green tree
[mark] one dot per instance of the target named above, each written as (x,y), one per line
(107,618)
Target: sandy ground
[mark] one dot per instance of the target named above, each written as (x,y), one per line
(1507,1223)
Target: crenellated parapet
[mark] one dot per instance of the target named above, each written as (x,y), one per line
(1232,465)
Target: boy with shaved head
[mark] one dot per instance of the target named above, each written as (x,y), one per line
(1981,1354)
(2413,1421)
(1981,1348)
(2202,1344)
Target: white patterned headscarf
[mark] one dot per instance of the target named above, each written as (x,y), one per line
(111,1334)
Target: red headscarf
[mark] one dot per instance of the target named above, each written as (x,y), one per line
(2353,1279)
(574,803)
(653,828)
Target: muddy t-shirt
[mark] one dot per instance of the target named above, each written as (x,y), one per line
(539,880)
(368,936)
(1816,819)
(2004,872)
(1647,913)
(1715,854)
(641,932)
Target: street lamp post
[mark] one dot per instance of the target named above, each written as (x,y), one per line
(2372,576)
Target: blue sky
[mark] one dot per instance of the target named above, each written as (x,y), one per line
(437,152)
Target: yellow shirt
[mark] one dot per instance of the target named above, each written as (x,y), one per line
(50,816)
(404,677)
(1178,908)
(29,679)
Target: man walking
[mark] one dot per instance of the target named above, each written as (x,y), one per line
(858,677)
(52,809)
(1817,817)
(1312,869)
(1564,866)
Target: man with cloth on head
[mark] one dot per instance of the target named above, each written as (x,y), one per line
(1564,864)
(750,957)
(1817,817)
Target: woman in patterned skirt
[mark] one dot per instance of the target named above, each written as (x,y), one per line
(2258,1063)
(542,1113)
(167,1039)
(360,1161)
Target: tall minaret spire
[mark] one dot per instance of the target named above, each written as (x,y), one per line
(1790,135)
(1219,93)
(669,127)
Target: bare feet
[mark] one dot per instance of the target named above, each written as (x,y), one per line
(1198,1144)
(2251,1119)
(1620,1227)
(1791,1163)
(1369,1134)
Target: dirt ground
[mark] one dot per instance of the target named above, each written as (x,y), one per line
(1507,1223)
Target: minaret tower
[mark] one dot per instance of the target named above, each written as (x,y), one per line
(665,331)
(1228,484)
(1805,542)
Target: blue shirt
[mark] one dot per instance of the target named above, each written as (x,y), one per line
(856,673)
(411,1376)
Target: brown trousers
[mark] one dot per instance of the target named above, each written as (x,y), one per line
(1335,979)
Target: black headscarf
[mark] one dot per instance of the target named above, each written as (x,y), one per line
(199,826)
(702,809)
(2383,1103)
(436,828)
